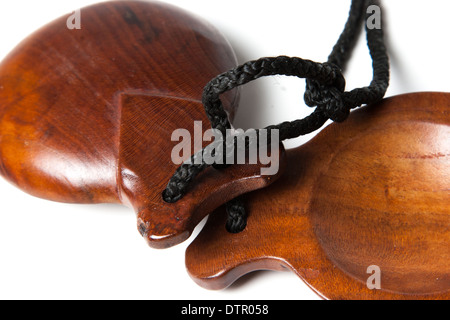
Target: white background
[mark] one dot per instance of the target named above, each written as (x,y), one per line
(58,251)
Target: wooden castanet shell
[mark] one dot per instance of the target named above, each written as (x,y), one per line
(86,115)
(372,191)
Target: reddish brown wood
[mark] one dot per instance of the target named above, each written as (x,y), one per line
(374,190)
(86,116)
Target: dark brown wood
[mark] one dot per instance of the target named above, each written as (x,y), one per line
(374,190)
(86,116)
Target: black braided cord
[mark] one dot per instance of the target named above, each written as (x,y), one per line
(325,90)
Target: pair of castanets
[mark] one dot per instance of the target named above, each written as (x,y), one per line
(87,117)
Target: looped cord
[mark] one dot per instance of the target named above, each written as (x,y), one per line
(325,90)
(326,74)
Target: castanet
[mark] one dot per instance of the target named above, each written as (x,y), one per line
(86,115)
(362,210)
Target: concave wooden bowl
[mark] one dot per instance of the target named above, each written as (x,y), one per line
(368,195)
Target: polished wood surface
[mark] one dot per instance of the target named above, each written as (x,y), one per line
(372,191)
(86,115)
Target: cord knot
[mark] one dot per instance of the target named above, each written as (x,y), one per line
(237,215)
(328,96)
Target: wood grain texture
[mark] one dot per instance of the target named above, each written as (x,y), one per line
(374,190)
(86,116)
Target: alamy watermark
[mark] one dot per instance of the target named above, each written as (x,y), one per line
(374,281)
(374,20)
(74,20)
(238,147)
